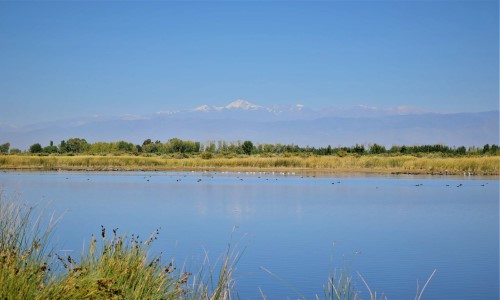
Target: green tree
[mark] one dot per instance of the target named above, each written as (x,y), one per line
(247,147)
(359,149)
(76,145)
(125,147)
(175,145)
(486,148)
(149,147)
(62,147)
(36,148)
(210,147)
(50,149)
(395,149)
(377,149)
(329,150)
(4,148)
(494,149)
(461,150)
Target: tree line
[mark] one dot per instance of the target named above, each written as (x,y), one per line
(175,145)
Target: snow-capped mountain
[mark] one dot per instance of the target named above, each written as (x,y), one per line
(235,105)
(205,108)
(298,124)
(244,105)
(245,109)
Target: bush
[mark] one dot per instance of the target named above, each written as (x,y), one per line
(341,153)
(206,155)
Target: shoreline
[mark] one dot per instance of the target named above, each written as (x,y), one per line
(247,169)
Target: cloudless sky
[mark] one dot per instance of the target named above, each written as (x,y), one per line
(62,60)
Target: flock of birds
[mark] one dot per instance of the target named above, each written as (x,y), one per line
(268,176)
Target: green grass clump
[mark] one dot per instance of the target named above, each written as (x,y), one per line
(24,260)
(117,268)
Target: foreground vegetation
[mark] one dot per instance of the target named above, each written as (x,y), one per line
(115,267)
(428,164)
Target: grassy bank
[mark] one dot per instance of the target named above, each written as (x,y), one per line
(475,165)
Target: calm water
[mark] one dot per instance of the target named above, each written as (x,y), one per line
(301,229)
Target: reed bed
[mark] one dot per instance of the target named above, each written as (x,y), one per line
(473,165)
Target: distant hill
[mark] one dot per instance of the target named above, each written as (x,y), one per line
(242,120)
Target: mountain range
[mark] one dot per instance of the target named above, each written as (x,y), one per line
(287,124)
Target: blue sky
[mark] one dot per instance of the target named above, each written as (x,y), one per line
(62,60)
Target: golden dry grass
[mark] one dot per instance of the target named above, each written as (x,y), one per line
(477,165)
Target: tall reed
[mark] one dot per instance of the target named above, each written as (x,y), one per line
(24,259)
(116,268)
(216,282)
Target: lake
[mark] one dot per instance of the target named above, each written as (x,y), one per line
(295,230)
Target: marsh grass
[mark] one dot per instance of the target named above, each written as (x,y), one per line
(115,268)
(216,281)
(477,165)
(24,260)
(340,287)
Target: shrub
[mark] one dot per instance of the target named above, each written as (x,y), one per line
(206,155)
